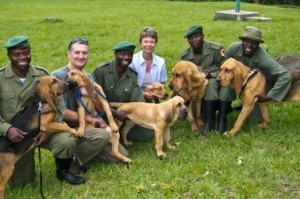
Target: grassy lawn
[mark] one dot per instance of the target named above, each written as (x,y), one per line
(254,164)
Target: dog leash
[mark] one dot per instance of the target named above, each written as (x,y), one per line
(252,72)
(39,150)
(78,97)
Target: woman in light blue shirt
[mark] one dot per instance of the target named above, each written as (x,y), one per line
(149,67)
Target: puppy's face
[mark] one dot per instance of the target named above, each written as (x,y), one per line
(228,73)
(48,88)
(158,90)
(75,78)
(52,85)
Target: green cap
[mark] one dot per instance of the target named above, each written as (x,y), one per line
(252,33)
(17,42)
(124,46)
(195,29)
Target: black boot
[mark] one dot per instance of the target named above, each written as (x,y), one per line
(224,109)
(210,111)
(63,173)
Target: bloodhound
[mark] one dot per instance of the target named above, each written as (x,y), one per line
(248,83)
(95,93)
(47,92)
(159,117)
(190,83)
(157,90)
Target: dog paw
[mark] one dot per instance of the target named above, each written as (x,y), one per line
(162,156)
(127,160)
(171,147)
(128,144)
(262,126)
(226,134)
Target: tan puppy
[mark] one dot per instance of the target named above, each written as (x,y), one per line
(248,84)
(157,90)
(190,83)
(81,80)
(158,117)
(48,90)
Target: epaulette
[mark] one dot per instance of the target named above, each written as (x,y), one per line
(184,53)
(41,68)
(103,64)
(133,71)
(214,45)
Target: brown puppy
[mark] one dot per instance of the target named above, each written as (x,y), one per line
(157,90)
(190,83)
(248,84)
(81,80)
(48,89)
(158,117)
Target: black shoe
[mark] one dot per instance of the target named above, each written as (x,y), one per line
(237,107)
(67,176)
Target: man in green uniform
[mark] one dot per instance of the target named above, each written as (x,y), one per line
(120,84)
(252,55)
(209,56)
(17,82)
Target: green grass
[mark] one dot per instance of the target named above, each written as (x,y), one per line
(198,168)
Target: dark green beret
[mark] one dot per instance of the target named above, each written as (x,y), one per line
(17,42)
(193,30)
(124,46)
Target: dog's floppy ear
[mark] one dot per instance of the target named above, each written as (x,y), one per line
(45,94)
(88,85)
(189,79)
(238,77)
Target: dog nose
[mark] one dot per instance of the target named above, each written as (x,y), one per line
(170,86)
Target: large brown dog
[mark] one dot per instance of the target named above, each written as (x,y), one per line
(248,84)
(81,80)
(157,90)
(190,83)
(48,89)
(158,117)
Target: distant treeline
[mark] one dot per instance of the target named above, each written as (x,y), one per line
(266,2)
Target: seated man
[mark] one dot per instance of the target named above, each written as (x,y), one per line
(120,84)
(17,82)
(252,55)
(94,144)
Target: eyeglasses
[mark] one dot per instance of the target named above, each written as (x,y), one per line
(79,41)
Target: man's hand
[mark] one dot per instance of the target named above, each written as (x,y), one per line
(41,138)
(97,122)
(207,73)
(261,98)
(15,135)
(148,96)
(120,115)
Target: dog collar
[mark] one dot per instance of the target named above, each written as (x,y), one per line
(251,73)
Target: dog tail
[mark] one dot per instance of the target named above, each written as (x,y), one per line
(115,104)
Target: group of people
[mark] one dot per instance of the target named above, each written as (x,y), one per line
(122,80)
(209,56)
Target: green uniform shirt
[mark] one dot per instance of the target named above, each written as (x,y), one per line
(123,89)
(261,60)
(211,57)
(15,94)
